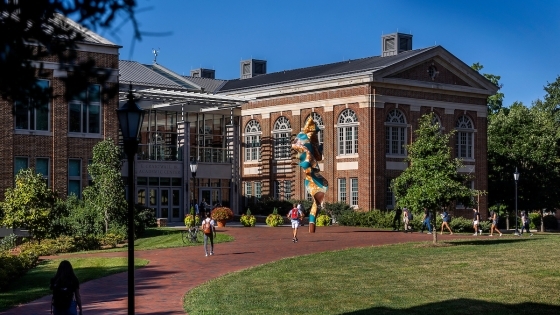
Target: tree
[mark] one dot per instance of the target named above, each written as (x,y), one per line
(431,179)
(494,102)
(32,31)
(107,194)
(529,139)
(31,205)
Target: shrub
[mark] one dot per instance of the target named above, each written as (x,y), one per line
(274,219)
(8,242)
(323,220)
(222,213)
(248,219)
(112,239)
(337,209)
(189,220)
(550,221)
(14,266)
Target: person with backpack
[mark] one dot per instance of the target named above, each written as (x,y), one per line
(525,223)
(295,215)
(204,207)
(476,221)
(396,219)
(426,221)
(209,231)
(446,219)
(494,227)
(66,291)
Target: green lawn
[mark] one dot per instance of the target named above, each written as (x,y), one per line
(35,283)
(507,275)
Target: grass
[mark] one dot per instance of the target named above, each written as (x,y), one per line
(35,283)
(504,275)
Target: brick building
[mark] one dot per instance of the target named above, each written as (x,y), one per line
(57,139)
(368,109)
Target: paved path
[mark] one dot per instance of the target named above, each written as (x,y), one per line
(160,285)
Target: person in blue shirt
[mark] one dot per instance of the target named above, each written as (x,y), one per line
(446,218)
(426,223)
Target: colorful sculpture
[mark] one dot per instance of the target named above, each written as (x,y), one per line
(309,154)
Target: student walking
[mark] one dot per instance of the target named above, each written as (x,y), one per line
(295,216)
(209,230)
(66,291)
(426,221)
(407,217)
(396,219)
(446,218)
(476,221)
(494,217)
(525,223)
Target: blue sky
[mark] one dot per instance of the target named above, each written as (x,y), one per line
(518,40)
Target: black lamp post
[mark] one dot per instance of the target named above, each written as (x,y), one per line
(516,178)
(130,119)
(194,167)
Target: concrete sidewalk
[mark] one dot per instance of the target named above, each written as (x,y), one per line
(161,285)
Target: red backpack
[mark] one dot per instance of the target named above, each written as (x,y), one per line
(295,214)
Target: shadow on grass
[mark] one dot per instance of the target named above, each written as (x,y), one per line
(465,306)
(494,241)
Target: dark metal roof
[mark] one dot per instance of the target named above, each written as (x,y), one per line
(209,85)
(332,69)
(140,74)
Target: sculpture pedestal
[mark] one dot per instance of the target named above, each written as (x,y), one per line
(311,227)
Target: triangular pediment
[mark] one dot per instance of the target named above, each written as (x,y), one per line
(436,67)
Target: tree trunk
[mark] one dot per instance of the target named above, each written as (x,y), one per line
(434,229)
(507,220)
(542,220)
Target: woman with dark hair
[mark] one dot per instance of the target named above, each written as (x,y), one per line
(66,291)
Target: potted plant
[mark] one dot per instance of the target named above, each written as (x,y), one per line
(222,215)
(248,219)
(189,221)
(323,220)
(274,219)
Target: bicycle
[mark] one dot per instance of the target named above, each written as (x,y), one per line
(190,234)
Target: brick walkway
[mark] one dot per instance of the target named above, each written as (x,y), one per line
(160,285)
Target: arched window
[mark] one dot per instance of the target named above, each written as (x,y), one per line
(436,121)
(253,141)
(464,138)
(281,135)
(320,125)
(395,133)
(347,129)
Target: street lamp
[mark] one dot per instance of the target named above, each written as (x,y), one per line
(516,178)
(130,119)
(194,167)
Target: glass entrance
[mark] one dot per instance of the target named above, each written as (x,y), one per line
(165,202)
(212,196)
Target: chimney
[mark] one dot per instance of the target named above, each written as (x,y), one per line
(252,68)
(395,43)
(203,73)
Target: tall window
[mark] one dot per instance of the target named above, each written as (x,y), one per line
(42,167)
(308,196)
(281,134)
(320,125)
(30,116)
(395,133)
(389,196)
(248,189)
(342,189)
(464,138)
(258,190)
(354,192)
(347,132)
(253,141)
(287,190)
(85,111)
(20,163)
(276,187)
(75,177)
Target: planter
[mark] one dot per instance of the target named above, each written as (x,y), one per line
(221,223)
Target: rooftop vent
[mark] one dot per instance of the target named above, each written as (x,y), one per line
(395,43)
(203,73)
(252,68)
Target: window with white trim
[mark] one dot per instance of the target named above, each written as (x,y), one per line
(354,192)
(395,133)
(258,190)
(347,130)
(320,125)
(20,163)
(253,134)
(287,190)
(342,190)
(436,121)
(308,196)
(42,167)
(30,116)
(464,138)
(248,189)
(281,135)
(85,111)
(75,177)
